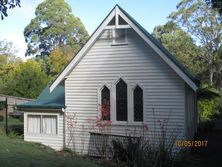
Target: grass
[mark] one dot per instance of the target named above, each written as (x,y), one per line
(11,121)
(16,152)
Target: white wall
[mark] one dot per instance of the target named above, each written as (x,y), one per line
(136,63)
(53,141)
(191,113)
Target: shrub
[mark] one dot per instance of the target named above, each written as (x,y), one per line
(208,108)
(15,114)
(21,118)
(130,153)
(138,152)
(67,150)
(103,125)
(135,152)
(206,125)
(17,129)
(1,118)
(1,105)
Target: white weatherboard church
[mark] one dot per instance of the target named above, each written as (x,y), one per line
(121,64)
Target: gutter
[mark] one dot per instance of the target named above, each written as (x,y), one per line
(40,109)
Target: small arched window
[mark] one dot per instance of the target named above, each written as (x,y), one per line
(121,101)
(138,104)
(105,103)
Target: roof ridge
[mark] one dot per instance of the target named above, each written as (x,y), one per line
(160,46)
(150,40)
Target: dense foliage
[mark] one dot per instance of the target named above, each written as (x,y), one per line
(7,60)
(55,62)
(181,45)
(193,35)
(216,4)
(25,79)
(54,27)
(54,36)
(204,25)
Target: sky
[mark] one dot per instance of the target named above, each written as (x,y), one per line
(149,13)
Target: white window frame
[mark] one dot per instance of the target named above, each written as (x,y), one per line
(113,103)
(41,123)
(132,102)
(114,42)
(100,98)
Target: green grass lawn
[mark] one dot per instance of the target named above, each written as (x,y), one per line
(15,152)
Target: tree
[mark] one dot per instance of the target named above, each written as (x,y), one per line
(215,4)
(7,4)
(58,60)
(54,27)
(55,62)
(26,79)
(181,45)
(204,25)
(7,53)
(7,57)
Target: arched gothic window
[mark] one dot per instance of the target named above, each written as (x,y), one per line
(121,101)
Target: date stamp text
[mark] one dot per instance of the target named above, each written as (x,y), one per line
(191,143)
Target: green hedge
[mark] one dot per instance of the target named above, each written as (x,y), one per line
(1,118)
(18,129)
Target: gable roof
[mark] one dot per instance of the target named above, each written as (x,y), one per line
(148,38)
(47,100)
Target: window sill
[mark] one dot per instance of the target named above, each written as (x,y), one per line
(44,135)
(127,124)
(118,44)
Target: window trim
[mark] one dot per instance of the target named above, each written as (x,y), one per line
(114,43)
(113,103)
(132,100)
(99,99)
(41,124)
(130,106)
(28,124)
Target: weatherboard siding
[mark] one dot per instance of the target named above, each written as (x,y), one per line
(53,141)
(190,113)
(136,63)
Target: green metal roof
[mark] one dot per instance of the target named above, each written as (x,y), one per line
(47,100)
(56,99)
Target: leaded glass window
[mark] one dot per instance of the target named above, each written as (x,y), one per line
(119,36)
(105,103)
(121,101)
(138,104)
(122,21)
(112,22)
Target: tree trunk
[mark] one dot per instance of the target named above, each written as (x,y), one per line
(211,76)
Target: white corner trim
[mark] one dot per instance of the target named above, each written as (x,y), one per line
(82,52)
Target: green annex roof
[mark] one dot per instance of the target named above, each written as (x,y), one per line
(47,100)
